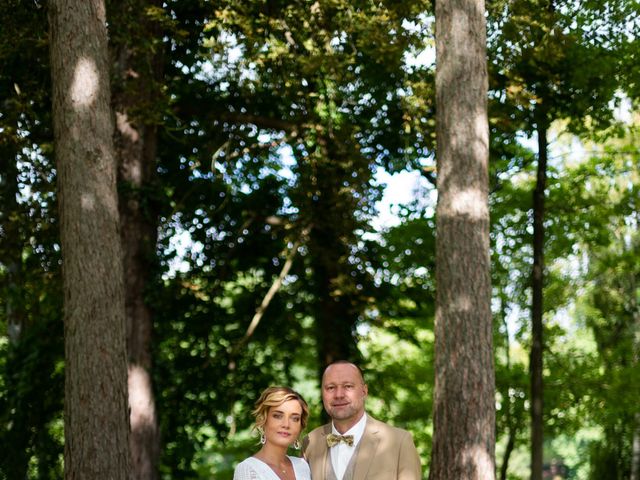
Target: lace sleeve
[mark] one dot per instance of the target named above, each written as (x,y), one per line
(244,472)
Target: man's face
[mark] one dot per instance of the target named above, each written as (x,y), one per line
(343,394)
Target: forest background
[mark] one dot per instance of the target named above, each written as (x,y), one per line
(250,138)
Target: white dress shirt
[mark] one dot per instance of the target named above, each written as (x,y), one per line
(341,453)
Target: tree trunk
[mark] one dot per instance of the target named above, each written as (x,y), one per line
(95,411)
(537,284)
(512,424)
(511,443)
(138,71)
(464,408)
(335,319)
(329,210)
(335,309)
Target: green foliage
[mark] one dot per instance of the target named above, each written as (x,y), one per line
(32,410)
(612,314)
(31,370)
(397,337)
(556,60)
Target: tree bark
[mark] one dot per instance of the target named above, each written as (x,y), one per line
(537,309)
(464,408)
(95,411)
(138,57)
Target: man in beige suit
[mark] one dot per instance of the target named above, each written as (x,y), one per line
(355,446)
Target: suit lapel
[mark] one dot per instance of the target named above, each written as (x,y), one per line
(367,450)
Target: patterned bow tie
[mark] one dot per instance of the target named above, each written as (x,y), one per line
(335,439)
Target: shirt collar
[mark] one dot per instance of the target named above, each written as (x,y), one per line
(357,430)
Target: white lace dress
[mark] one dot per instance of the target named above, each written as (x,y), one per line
(254,469)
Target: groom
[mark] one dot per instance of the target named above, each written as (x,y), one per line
(355,446)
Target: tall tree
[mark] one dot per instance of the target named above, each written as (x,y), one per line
(136,43)
(328,80)
(96,423)
(563,63)
(608,185)
(464,410)
(537,305)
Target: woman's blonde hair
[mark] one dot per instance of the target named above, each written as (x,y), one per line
(274,397)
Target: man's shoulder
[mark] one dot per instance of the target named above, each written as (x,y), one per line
(386,428)
(321,430)
(313,440)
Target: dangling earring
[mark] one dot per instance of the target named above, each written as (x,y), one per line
(263,438)
(296,444)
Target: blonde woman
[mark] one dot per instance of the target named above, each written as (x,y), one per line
(281,414)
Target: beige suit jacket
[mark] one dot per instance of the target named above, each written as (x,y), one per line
(386,453)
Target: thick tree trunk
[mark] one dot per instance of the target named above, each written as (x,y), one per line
(537,285)
(139,235)
(138,70)
(96,416)
(464,409)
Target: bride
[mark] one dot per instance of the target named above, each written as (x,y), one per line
(281,414)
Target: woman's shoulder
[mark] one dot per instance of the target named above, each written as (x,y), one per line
(297,460)
(301,466)
(245,469)
(246,462)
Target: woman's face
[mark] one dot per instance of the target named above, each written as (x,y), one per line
(283,424)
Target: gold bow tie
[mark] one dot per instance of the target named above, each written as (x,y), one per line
(335,439)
